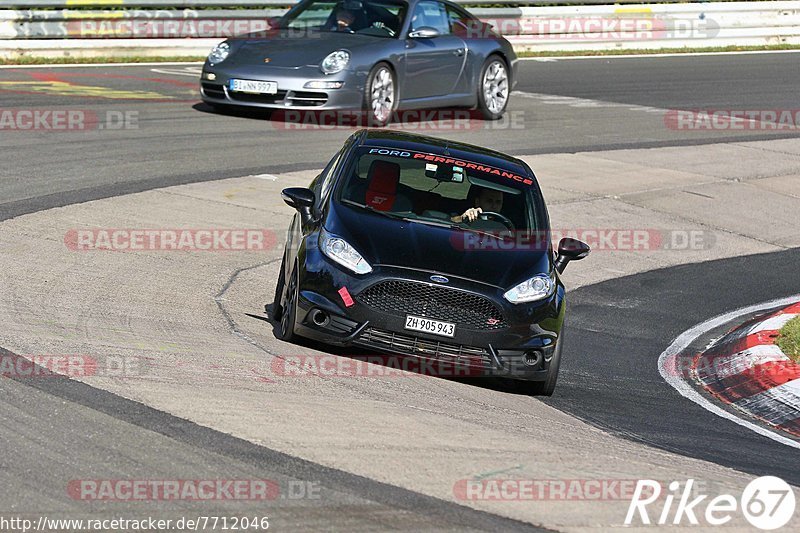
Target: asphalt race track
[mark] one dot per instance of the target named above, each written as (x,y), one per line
(154,133)
(608,105)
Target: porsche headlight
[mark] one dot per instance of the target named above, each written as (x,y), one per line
(536,288)
(335,62)
(219,53)
(340,251)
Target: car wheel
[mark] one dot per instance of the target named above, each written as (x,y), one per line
(493,89)
(539,388)
(289,315)
(380,98)
(277,308)
(548,386)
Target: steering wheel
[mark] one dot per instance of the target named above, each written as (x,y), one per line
(486,215)
(382,26)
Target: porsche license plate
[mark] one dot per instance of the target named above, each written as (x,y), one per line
(436,327)
(252,86)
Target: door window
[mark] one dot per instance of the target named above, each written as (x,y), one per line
(430,14)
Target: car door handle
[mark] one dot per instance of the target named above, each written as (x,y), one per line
(458,52)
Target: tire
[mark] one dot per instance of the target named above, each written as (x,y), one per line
(289,315)
(494,88)
(381,88)
(548,386)
(277,308)
(540,388)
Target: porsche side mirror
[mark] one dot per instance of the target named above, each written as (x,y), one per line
(425,32)
(570,249)
(274,22)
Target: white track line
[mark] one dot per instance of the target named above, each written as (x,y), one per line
(773,323)
(656,55)
(193,72)
(672,375)
(82,65)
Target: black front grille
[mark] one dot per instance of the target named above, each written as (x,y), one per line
(306,98)
(213,90)
(257,98)
(411,345)
(467,310)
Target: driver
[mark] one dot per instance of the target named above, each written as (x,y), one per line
(485,200)
(344,18)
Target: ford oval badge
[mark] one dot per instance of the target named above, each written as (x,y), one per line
(439,279)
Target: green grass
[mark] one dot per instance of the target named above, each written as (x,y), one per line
(658,51)
(789,339)
(90,60)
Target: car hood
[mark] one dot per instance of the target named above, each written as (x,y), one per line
(286,50)
(393,242)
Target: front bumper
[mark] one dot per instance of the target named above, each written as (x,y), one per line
(291,94)
(529,331)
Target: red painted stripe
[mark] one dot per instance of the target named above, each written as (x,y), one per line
(792,426)
(794,308)
(755,380)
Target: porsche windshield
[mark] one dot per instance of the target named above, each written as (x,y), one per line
(380,18)
(435,189)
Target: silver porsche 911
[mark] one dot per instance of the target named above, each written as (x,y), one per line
(374,55)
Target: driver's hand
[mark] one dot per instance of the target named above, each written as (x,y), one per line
(471,214)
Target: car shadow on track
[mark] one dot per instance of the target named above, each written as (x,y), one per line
(389,360)
(458,119)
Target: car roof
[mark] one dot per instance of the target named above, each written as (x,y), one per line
(443,147)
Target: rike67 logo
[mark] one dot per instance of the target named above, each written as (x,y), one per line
(767,503)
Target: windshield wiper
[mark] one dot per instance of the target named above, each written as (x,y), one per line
(372,209)
(486,233)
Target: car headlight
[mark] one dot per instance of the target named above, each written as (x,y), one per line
(335,62)
(219,53)
(340,251)
(536,288)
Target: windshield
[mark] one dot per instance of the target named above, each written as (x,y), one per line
(380,18)
(439,190)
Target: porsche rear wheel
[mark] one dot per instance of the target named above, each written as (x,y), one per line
(380,98)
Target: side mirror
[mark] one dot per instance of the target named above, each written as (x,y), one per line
(570,249)
(298,197)
(425,32)
(301,199)
(274,22)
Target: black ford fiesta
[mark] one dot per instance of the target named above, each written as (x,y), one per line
(428,248)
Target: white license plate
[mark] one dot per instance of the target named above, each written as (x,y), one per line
(436,327)
(252,86)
